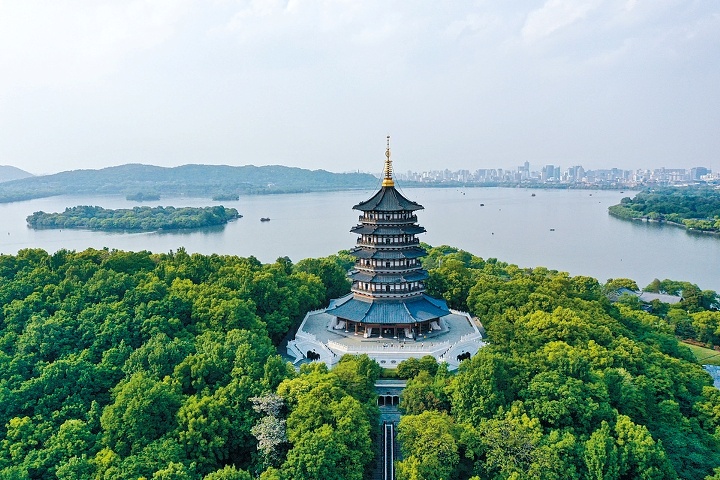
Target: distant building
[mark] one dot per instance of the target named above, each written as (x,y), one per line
(697,173)
(670,175)
(548,173)
(646,298)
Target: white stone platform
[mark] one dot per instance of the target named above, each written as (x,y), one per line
(459,334)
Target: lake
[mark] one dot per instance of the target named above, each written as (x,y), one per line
(567,230)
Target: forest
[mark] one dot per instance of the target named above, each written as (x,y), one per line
(697,208)
(138,365)
(136,218)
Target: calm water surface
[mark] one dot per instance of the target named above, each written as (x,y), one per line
(567,230)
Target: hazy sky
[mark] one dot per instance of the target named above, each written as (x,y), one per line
(319,84)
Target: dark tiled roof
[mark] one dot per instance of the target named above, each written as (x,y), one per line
(413,252)
(415,276)
(664,298)
(388,199)
(395,312)
(361,276)
(646,297)
(388,230)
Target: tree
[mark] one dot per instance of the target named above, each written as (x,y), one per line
(422,393)
(144,410)
(330,271)
(639,456)
(512,445)
(408,368)
(318,402)
(270,429)
(707,326)
(601,455)
(229,472)
(614,284)
(357,376)
(429,446)
(318,455)
(481,387)
(158,356)
(174,471)
(452,281)
(558,401)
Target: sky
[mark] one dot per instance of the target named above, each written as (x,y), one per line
(319,84)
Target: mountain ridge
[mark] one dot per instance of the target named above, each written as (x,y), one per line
(193,180)
(9,173)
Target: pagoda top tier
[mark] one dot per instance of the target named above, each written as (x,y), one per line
(388,199)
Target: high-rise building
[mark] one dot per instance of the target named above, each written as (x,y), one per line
(548,173)
(696,173)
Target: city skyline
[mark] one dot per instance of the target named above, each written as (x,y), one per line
(529,172)
(575,174)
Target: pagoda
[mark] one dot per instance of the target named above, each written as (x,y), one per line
(388,297)
(387,315)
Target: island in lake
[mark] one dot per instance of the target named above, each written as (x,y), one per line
(142,197)
(225,197)
(695,208)
(137,218)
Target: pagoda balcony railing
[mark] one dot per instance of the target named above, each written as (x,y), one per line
(382,245)
(385,221)
(389,346)
(396,294)
(384,269)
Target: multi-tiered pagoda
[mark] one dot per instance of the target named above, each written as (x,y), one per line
(388,291)
(387,315)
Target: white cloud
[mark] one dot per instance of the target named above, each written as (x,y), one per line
(554,15)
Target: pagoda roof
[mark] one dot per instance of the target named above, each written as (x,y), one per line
(412,252)
(388,199)
(363,276)
(419,309)
(388,229)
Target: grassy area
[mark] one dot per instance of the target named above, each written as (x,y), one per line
(705,356)
(388,373)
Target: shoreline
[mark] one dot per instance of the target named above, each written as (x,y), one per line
(262,191)
(666,222)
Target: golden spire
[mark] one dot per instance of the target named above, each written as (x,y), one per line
(387,179)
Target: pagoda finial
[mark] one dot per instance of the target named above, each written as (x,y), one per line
(387,177)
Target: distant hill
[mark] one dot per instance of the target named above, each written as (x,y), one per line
(188,180)
(8,173)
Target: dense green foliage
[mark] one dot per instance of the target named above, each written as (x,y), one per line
(223,197)
(186,180)
(698,208)
(136,365)
(163,366)
(571,385)
(137,218)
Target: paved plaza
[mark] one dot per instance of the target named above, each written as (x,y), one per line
(459,334)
